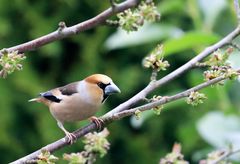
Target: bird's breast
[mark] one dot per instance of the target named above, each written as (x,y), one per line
(74,108)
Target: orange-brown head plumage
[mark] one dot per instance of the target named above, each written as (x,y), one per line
(98,78)
(100,85)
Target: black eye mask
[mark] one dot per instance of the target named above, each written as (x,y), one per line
(103,86)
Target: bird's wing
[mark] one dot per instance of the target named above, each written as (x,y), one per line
(56,95)
(69,89)
(49,95)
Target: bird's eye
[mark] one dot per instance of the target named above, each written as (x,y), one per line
(102,85)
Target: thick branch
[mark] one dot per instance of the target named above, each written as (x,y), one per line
(73,30)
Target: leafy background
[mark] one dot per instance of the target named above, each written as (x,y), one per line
(185,29)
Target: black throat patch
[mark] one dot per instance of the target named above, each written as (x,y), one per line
(104,97)
(103,86)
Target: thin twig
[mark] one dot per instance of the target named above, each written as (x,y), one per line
(112,23)
(73,30)
(153,77)
(236,4)
(225,155)
(167,99)
(200,65)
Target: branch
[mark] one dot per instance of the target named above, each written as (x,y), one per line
(225,155)
(236,4)
(165,100)
(189,65)
(73,30)
(56,145)
(122,110)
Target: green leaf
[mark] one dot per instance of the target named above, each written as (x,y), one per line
(171,6)
(211,13)
(146,34)
(219,130)
(234,59)
(194,12)
(189,41)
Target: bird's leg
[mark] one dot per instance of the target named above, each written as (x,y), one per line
(70,136)
(99,123)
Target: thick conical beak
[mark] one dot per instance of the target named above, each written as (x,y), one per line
(111,89)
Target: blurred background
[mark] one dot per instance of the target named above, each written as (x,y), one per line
(186,28)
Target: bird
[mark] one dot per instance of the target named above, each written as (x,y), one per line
(78,101)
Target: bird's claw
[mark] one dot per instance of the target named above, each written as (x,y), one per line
(70,138)
(98,122)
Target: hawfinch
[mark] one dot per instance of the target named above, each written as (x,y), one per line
(78,100)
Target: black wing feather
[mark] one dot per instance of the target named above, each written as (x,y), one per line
(48,95)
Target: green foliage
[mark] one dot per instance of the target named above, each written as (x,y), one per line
(220,71)
(149,11)
(97,143)
(155,60)
(137,114)
(189,40)
(148,34)
(157,110)
(131,20)
(213,156)
(220,66)
(230,125)
(175,157)
(75,158)
(211,74)
(219,58)
(46,158)
(195,98)
(10,61)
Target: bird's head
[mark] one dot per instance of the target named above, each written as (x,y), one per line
(102,85)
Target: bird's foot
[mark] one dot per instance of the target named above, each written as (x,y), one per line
(98,122)
(70,138)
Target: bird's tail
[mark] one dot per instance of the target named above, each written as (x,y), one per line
(38,99)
